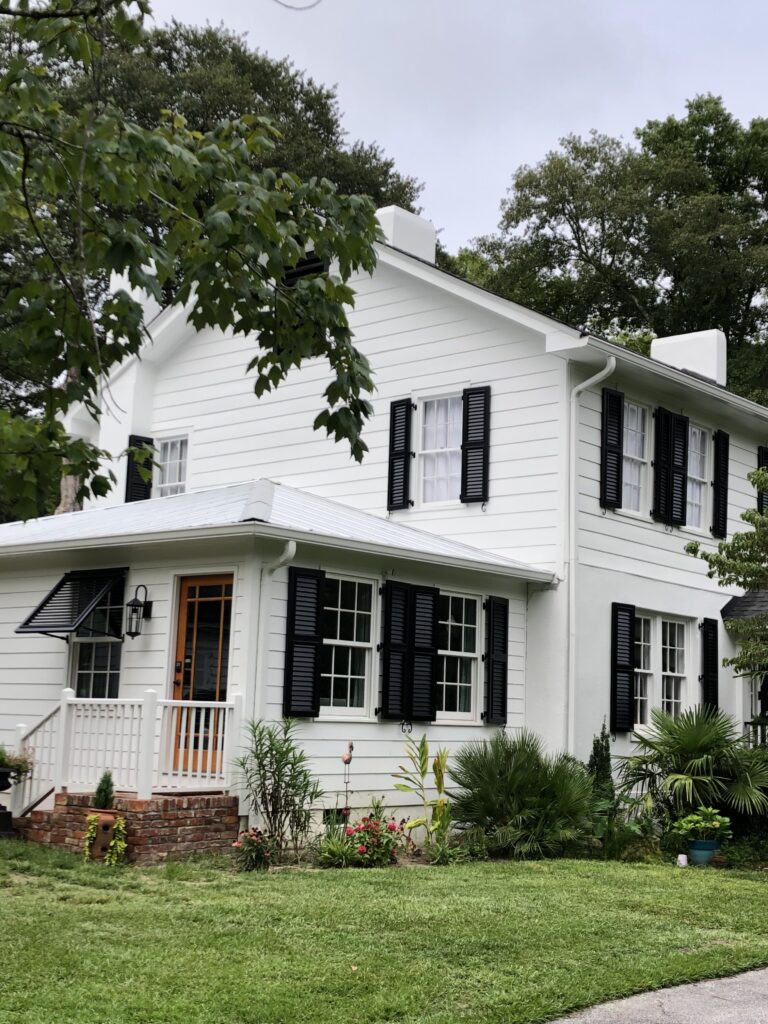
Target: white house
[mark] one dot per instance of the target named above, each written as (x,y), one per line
(510,552)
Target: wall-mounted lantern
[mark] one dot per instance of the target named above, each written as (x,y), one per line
(136,611)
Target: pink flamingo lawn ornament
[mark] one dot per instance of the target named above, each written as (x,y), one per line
(346,760)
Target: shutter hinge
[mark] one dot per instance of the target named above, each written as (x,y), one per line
(701,679)
(378,648)
(406,727)
(414,406)
(377,712)
(485,605)
(412,454)
(410,503)
(483,716)
(701,625)
(482,657)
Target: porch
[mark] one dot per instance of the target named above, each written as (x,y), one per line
(153,747)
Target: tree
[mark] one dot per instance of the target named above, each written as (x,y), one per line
(85,192)
(667,235)
(599,767)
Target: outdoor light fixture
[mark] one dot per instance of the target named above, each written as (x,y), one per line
(136,611)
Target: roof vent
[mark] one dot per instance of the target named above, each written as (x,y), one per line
(409,232)
(702,353)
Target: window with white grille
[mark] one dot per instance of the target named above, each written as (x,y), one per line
(635,460)
(698,484)
(172,466)
(440,449)
(347,627)
(457,655)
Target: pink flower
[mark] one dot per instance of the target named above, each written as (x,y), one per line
(237,845)
(362,849)
(349,830)
(392,827)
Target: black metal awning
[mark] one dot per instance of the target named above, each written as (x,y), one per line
(68,605)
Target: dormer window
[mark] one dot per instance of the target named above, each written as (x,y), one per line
(171,466)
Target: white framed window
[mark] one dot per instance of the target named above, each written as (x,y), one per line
(439,452)
(661,658)
(635,459)
(698,483)
(347,655)
(172,465)
(458,627)
(97,648)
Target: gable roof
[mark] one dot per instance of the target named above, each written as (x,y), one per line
(746,605)
(260,508)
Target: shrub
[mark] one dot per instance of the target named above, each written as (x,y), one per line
(697,759)
(599,766)
(105,792)
(253,850)
(522,801)
(281,788)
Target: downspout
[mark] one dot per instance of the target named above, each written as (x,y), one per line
(265,610)
(571,549)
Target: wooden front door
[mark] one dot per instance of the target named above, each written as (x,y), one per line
(202,660)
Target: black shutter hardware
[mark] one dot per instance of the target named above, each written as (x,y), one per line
(721,443)
(475,444)
(709,662)
(303,643)
(398,486)
(670,470)
(410,652)
(496,646)
(612,449)
(762,496)
(622,667)
(136,488)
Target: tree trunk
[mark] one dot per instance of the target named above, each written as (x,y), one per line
(68,502)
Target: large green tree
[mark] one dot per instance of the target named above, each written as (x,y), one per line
(666,235)
(197,216)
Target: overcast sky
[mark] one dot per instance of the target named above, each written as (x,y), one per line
(461,92)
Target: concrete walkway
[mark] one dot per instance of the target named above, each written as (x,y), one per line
(742,998)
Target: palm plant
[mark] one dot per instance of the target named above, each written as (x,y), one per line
(518,799)
(698,758)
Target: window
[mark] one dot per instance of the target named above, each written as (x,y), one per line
(347,616)
(440,454)
(457,659)
(635,457)
(643,676)
(697,477)
(172,466)
(96,657)
(672,666)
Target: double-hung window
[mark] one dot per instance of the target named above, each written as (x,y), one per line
(643,673)
(672,666)
(440,449)
(698,484)
(172,466)
(97,647)
(347,628)
(457,656)
(635,458)
(660,666)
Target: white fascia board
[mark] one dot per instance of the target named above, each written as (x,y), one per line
(257,530)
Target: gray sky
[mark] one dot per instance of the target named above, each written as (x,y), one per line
(461,92)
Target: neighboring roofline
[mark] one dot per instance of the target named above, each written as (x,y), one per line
(266,531)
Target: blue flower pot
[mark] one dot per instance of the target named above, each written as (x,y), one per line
(701,851)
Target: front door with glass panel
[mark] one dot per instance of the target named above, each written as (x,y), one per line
(202,658)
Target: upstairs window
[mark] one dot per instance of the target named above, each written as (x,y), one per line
(172,466)
(440,454)
(697,487)
(635,458)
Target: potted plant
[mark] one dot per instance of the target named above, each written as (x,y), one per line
(703,830)
(13,767)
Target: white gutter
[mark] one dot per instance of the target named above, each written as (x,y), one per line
(266,573)
(571,539)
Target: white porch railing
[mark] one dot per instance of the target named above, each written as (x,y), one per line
(149,745)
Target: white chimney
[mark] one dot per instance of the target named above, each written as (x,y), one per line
(409,232)
(702,352)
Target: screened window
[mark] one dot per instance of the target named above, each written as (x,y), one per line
(635,456)
(347,644)
(457,655)
(172,466)
(672,666)
(96,656)
(643,673)
(440,454)
(697,476)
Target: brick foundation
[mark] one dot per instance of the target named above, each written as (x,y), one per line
(155,829)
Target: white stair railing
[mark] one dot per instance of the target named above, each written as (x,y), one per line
(41,742)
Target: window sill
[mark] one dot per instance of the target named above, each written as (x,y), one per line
(358,719)
(456,721)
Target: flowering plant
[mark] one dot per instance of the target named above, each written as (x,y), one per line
(253,850)
(372,842)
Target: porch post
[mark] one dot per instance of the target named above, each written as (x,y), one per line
(61,764)
(146,745)
(21,731)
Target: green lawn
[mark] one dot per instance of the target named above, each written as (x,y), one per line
(501,942)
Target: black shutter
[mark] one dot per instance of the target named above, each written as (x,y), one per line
(398,490)
(709,662)
(423,654)
(137,489)
(496,645)
(303,643)
(670,468)
(308,266)
(475,444)
(611,449)
(720,485)
(622,667)
(762,496)
(395,684)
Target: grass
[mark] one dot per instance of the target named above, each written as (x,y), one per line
(493,942)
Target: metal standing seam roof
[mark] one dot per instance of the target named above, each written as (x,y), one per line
(259,502)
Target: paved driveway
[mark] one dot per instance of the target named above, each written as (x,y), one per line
(742,999)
